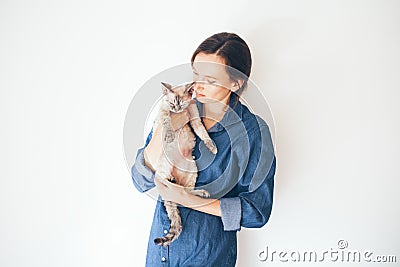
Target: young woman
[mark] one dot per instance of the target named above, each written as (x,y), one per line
(240,177)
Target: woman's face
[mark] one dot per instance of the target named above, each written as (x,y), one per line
(212,81)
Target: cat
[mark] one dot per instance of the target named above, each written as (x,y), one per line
(176,99)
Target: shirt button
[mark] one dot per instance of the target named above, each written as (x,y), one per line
(163,259)
(165,231)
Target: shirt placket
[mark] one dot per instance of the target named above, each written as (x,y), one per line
(165,250)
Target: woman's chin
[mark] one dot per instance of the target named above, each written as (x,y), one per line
(204,99)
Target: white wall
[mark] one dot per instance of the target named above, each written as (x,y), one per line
(68,71)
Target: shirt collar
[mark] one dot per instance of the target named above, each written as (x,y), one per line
(232,115)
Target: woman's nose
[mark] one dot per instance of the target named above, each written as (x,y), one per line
(198,86)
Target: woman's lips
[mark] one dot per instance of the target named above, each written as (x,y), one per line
(201,95)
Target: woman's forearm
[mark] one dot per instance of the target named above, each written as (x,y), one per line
(206,205)
(178,194)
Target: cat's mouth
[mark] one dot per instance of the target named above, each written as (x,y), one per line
(177,111)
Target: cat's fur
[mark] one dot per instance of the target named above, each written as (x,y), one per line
(176,99)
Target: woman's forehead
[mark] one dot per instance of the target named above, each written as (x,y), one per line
(209,58)
(210,65)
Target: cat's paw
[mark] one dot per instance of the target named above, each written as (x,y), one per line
(200,192)
(205,194)
(169,136)
(211,146)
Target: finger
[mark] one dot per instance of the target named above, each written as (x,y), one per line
(168,183)
(165,181)
(171,185)
(159,183)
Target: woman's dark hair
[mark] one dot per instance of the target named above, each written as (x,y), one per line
(235,52)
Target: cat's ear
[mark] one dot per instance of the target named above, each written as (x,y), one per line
(189,88)
(166,87)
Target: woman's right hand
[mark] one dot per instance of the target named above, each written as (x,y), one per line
(153,150)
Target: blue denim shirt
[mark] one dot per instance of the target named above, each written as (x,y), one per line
(241,175)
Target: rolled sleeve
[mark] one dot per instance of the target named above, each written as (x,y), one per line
(251,205)
(249,209)
(257,205)
(231,213)
(142,176)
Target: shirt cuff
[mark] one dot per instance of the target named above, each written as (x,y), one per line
(231,213)
(141,166)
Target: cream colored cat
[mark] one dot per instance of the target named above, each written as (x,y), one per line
(175,100)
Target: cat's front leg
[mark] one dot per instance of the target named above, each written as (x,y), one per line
(168,132)
(201,132)
(169,135)
(199,128)
(210,145)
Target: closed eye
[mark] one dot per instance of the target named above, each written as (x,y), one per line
(211,82)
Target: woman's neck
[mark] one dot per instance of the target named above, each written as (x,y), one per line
(213,112)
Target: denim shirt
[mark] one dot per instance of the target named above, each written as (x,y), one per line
(240,175)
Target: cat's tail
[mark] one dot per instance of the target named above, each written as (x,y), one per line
(174,231)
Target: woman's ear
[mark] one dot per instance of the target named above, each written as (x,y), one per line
(236,85)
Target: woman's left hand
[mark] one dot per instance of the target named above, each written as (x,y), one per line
(177,193)
(170,191)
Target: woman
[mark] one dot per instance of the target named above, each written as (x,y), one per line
(241,175)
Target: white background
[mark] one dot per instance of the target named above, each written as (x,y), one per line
(69,70)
